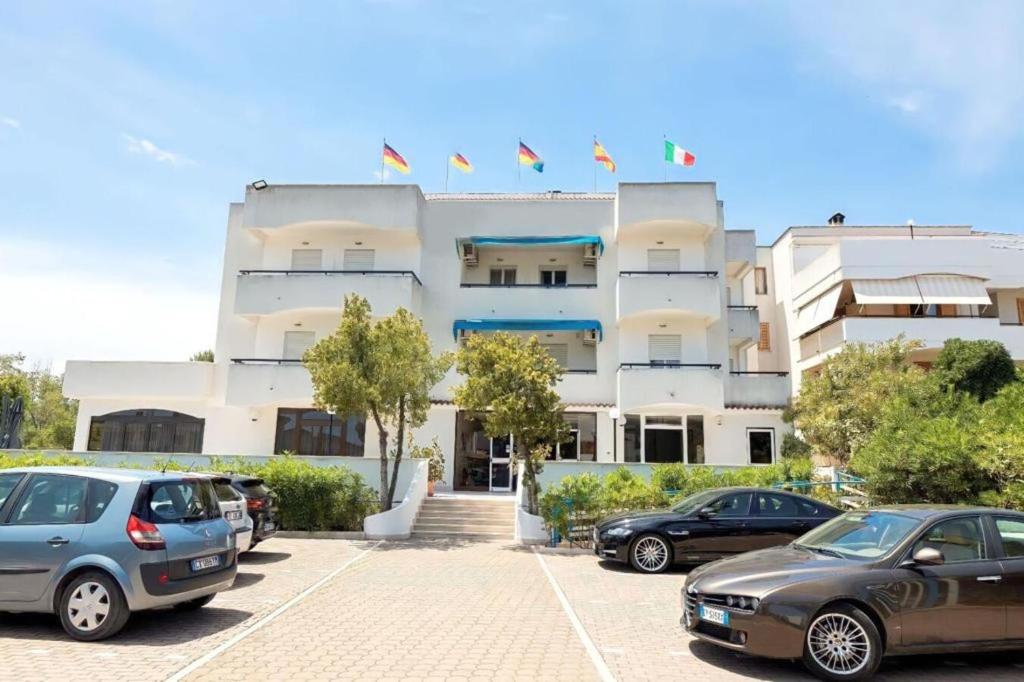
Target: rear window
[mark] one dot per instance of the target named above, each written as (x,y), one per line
(185,501)
(253,487)
(225,493)
(98,499)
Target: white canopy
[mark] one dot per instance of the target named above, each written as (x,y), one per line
(922,289)
(818,312)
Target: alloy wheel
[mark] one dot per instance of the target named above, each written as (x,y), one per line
(839,644)
(89,606)
(651,553)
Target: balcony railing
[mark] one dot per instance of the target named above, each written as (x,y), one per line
(531,285)
(669,365)
(770,374)
(400,273)
(698,273)
(742,307)
(266,361)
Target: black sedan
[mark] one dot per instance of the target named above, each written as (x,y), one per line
(261,506)
(708,525)
(893,580)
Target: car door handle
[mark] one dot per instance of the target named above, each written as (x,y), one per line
(989,578)
(799,524)
(679,532)
(57,541)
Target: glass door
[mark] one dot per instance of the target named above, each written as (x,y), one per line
(501,464)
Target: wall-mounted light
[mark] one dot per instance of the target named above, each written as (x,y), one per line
(718,420)
(305,243)
(359,243)
(501,260)
(552,260)
(662,325)
(298,324)
(659,242)
(259,184)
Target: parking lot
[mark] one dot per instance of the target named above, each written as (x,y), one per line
(440,609)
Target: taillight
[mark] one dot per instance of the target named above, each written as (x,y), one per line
(144,534)
(255,503)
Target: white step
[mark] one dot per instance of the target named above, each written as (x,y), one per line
(460,533)
(455,525)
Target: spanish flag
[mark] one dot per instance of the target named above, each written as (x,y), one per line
(461,162)
(528,158)
(602,157)
(395,160)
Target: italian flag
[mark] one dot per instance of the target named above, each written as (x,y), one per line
(676,154)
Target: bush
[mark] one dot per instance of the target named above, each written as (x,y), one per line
(980,367)
(573,498)
(622,490)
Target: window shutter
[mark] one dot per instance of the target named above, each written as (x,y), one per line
(764,339)
(358,259)
(307,259)
(559,351)
(296,343)
(663,259)
(665,348)
(760,281)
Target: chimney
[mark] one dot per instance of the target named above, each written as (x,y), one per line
(837,219)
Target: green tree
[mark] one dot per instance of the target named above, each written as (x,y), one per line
(1001,432)
(49,417)
(980,368)
(837,408)
(202,356)
(383,368)
(514,381)
(13,381)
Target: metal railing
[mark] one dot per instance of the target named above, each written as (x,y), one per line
(771,374)
(531,285)
(267,361)
(751,308)
(398,273)
(698,273)
(581,371)
(669,365)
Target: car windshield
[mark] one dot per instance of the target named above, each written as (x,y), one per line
(694,502)
(859,535)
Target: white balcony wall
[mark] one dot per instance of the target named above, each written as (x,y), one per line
(271,384)
(390,207)
(690,295)
(268,294)
(112,379)
(740,251)
(743,325)
(268,336)
(528,263)
(529,302)
(660,388)
(633,339)
(392,250)
(757,390)
(690,206)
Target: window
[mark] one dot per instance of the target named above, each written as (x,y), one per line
(1011,531)
(764,337)
(761,281)
(582,443)
(736,504)
(664,349)
(185,501)
(777,505)
(307,259)
(297,343)
(958,539)
(631,430)
(761,445)
(663,439)
(695,439)
(7,485)
(51,499)
(146,431)
(100,494)
(1020,310)
(559,351)
(663,260)
(503,277)
(358,260)
(553,277)
(309,432)
(809,508)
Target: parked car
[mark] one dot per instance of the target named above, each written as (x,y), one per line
(708,525)
(261,505)
(234,509)
(892,580)
(92,545)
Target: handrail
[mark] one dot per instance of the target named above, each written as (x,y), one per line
(581,371)
(775,374)
(700,273)
(741,307)
(669,365)
(402,273)
(266,361)
(467,285)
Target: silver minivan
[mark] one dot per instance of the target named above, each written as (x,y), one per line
(92,545)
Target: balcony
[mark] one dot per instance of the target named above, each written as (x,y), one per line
(583,386)
(740,252)
(743,324)
(138,380)
(693,293)
(267,381)
(669,386)
(679,208)
(757,389)
(530,300)
(388,207)
(265,292)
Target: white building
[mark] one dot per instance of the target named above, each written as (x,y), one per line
(643,295)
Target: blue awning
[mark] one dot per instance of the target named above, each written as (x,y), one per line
(565,240)
(526,325)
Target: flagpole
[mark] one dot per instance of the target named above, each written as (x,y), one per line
(446,164)
(383,144)
(664,141)
(595,166)
(519,166)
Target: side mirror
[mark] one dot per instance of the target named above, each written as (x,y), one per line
(926,556)
(707,513)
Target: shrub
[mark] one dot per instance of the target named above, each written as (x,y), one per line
(572,498)
(793,446)
(622,490)
(9,461)
(318,498)
(979,367)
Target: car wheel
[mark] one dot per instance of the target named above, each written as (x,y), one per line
(92,607)
(194,604)
(842,643)
(650,554)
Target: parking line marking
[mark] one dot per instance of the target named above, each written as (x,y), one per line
(603,671)
(239,636)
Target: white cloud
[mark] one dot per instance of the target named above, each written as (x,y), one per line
(957,68)
(10,122)
(143,146)
(83,303)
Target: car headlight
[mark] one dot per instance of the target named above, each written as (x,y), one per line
(742,603)
(620,532)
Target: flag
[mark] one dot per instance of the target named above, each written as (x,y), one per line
(676,154)
(395,160)
(461,162)
(601,156)
(528,158)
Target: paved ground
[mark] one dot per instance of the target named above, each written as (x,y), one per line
(440,609)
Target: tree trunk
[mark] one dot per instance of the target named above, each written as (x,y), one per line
(530,478)
(399,446)
(382,442)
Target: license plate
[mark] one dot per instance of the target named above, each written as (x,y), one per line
(713,615)
(233,515)
(206,562)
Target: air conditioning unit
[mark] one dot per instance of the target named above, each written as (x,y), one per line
(590,255)
(590,337)
(469,254)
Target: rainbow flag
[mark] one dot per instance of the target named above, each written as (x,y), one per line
(395,160)
(602,157)
(528,158)
(461,162)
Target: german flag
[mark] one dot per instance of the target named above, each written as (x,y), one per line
(528,158)
(461,162)
(602,157)
(395,160)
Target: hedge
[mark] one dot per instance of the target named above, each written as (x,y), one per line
(308,497)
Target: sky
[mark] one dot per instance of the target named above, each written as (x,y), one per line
(126,128)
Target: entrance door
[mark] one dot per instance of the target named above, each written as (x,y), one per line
(501,464)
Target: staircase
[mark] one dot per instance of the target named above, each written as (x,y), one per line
(465,516)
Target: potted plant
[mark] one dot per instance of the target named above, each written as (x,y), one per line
(435,465)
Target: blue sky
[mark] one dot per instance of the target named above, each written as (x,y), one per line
(127,127)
